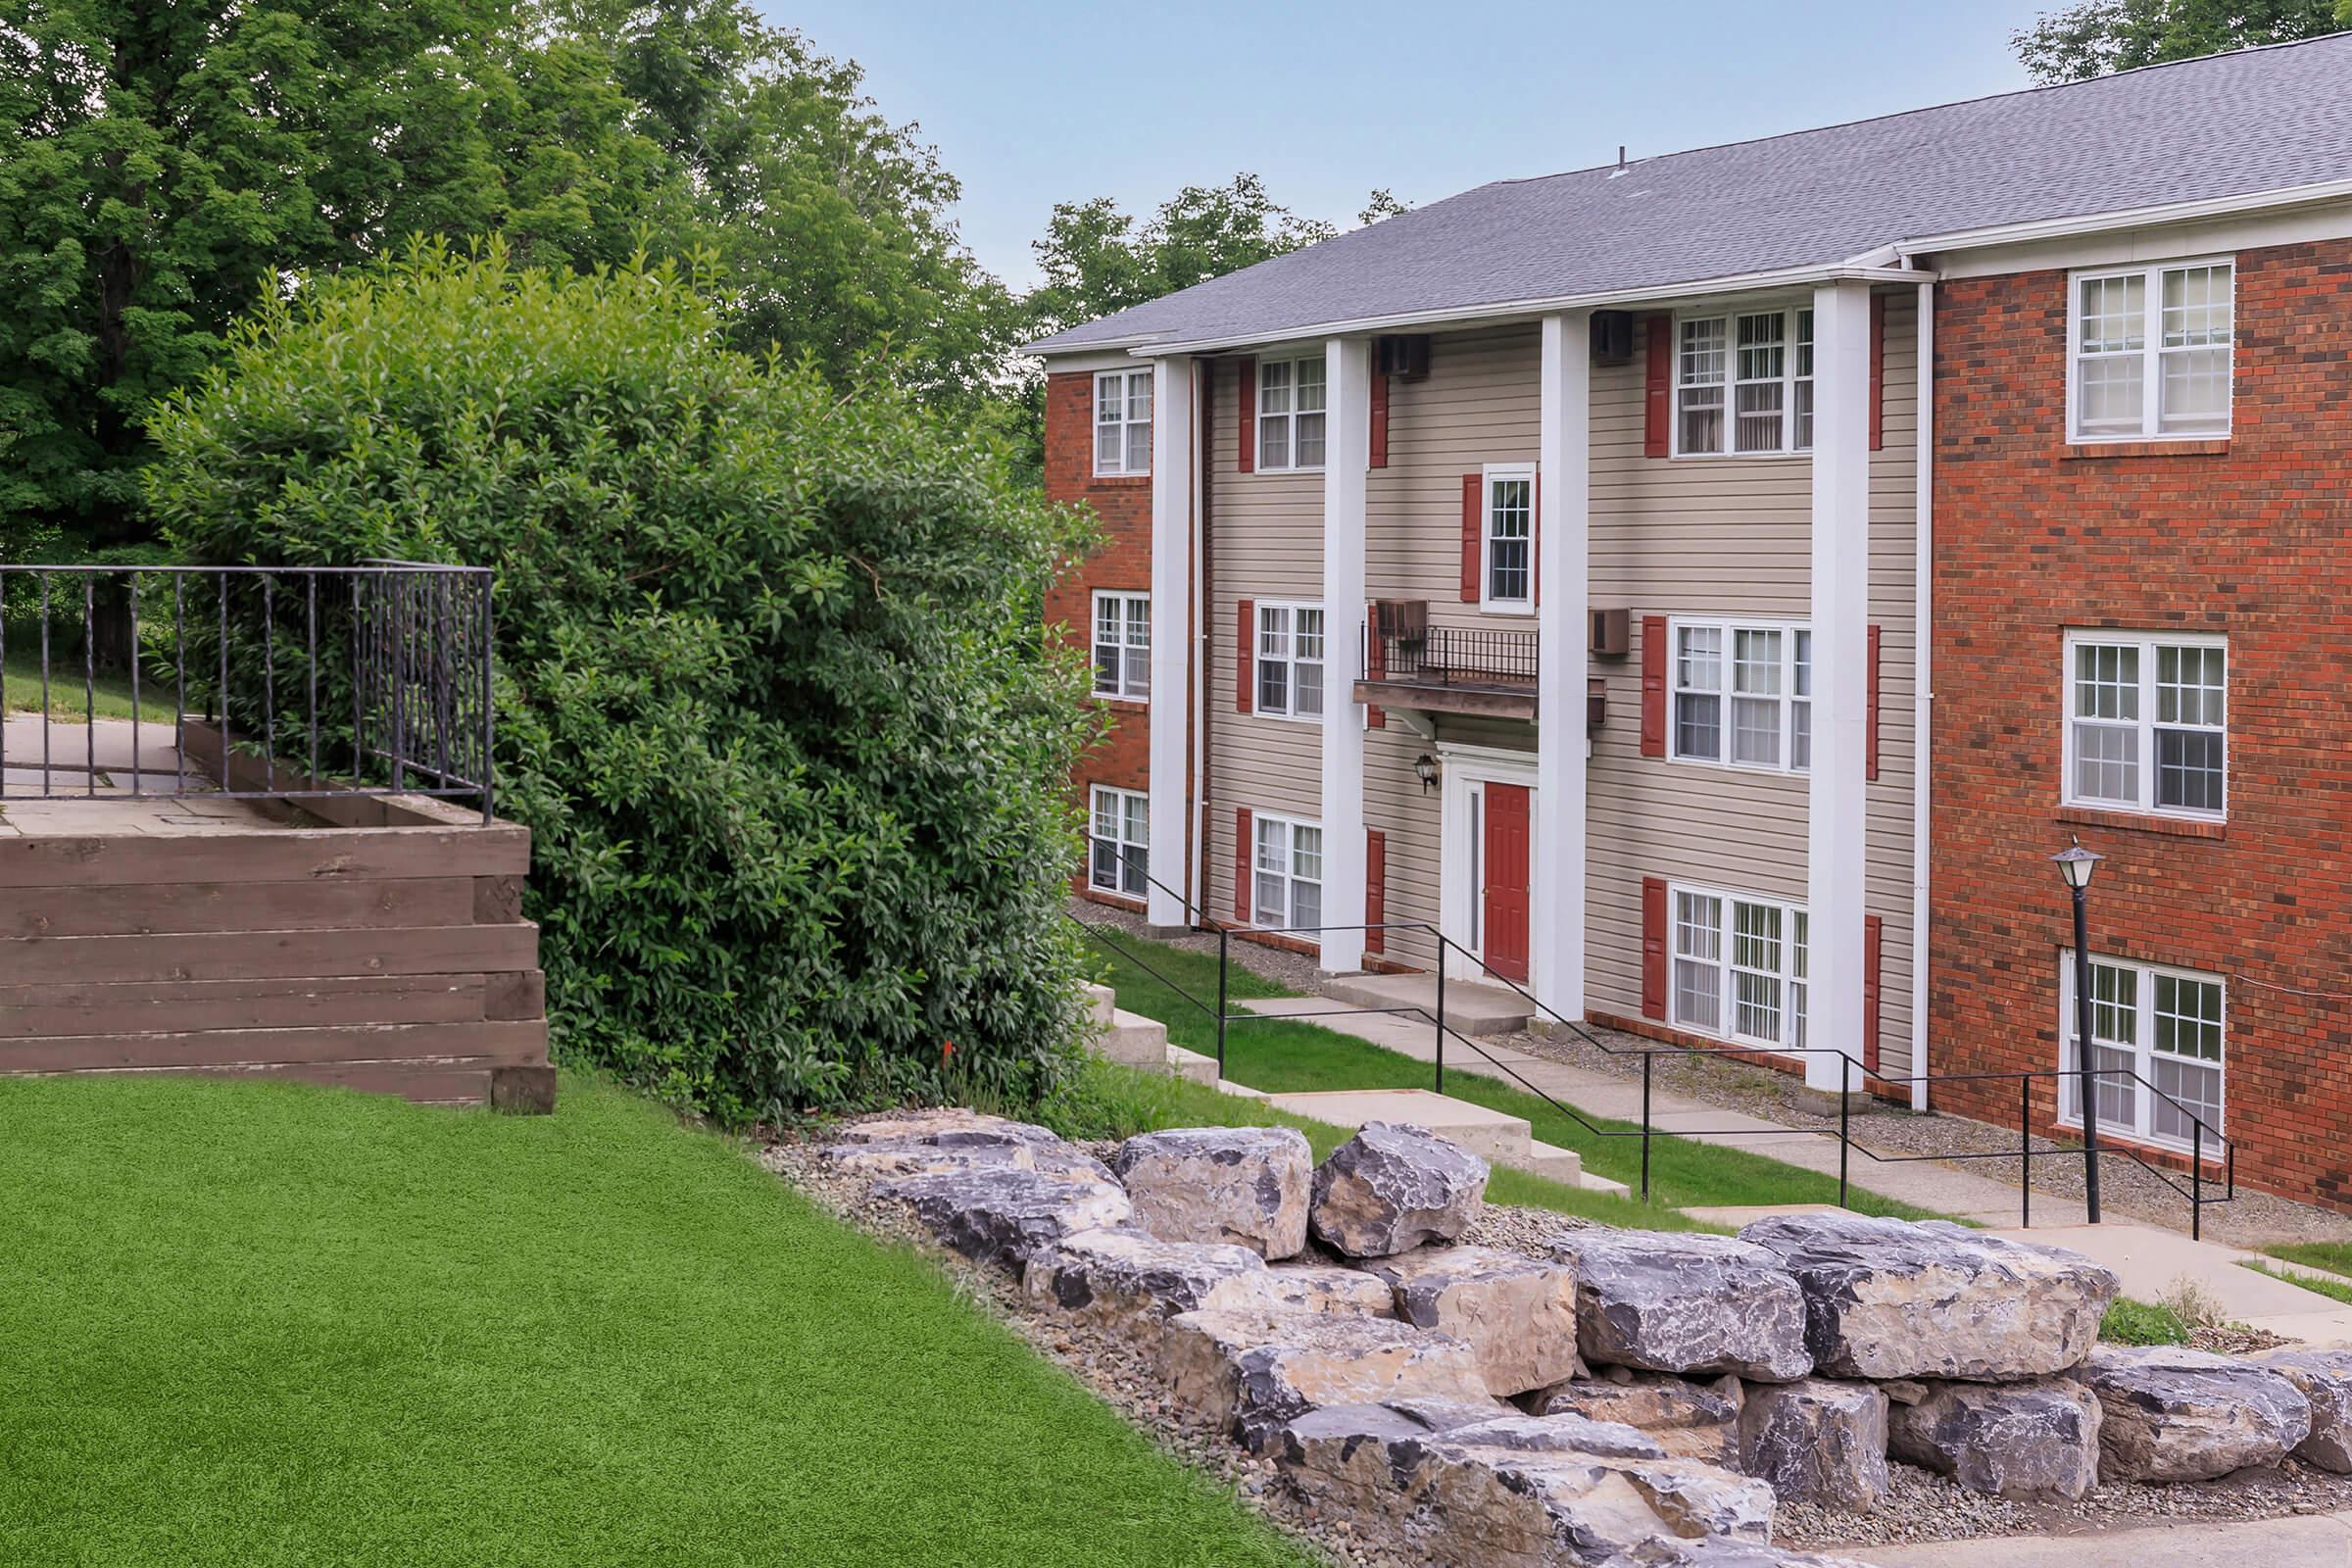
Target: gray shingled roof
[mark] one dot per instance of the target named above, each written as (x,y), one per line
(2228,125)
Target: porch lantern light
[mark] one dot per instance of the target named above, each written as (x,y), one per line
(1425,768)
(2076,865)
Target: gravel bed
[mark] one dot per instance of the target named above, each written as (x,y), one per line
(1923,1506)
(2252,1219)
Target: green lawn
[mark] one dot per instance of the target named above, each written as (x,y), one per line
(264,1324)
(2333,1285)
(2334,1256)
(110,696)
(1282,1056)
(2130,1322)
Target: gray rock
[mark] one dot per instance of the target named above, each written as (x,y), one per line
(1688,1420)
(2029,1442)
(1324,1288)
(1445,1415)
(1001,1216)
(921,1158)
(1517,1312)
(1559,1434)
(2325,1378)
(1254,1371)
(1817,1441)
(1720,1553)
(1889,1298)
(1687,1304)
(1246,1186)
(1128,1279)
(2174,1414)
(1393,1187)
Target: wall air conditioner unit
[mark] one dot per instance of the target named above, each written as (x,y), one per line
(1612,337)
(1406,359)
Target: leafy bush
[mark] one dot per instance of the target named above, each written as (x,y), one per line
(773,692)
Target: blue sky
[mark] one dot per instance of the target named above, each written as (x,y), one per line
(1034,104)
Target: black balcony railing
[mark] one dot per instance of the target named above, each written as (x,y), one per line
(1452,656)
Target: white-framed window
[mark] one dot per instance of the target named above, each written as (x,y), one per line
(1738,967)
(1290,413)
(2148,723)
(1288,891)
(1119,842)
(1743,694)
(1290,660)
(1507,551)
(2150,351)
(1123,646)
(1744,383)
(1122,423)
(2165,1025)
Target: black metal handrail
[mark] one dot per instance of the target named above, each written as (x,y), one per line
(1851,1073)
(1452,656)
(375,677)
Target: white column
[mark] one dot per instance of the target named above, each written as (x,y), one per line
(1347,458)
(1564,531)
(1841,621)
(1172,482)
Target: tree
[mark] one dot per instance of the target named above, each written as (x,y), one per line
(773,693)
(2102,37)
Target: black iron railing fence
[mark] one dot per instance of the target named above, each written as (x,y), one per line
(372,679)
(1451,656)
(1853,1075)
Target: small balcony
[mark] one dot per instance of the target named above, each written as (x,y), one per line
(1483,670)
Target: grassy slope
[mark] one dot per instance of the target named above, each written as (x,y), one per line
(2334,1256)
(260,1324)
(2332,1286)
(21,681)
(1282,1056)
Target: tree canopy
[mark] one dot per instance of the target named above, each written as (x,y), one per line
(2099,37)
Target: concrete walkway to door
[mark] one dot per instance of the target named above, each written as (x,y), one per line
(2304,1541)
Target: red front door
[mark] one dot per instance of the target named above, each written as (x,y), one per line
(1505,893)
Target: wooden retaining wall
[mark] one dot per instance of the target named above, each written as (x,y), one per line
(384,950)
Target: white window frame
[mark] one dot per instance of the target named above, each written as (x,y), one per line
(1287,417)
(1495,474)
(1124,807)
(1132,430)
(2152,352)
(1794,703)
(1274,639)
(1288,830)
(1795,381)
(1789,973)
(2139,1126)
(1130,687)
(2144,725)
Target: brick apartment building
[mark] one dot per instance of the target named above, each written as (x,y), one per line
(1707,589)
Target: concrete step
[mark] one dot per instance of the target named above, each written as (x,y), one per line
(1490,1133)
(1471,1008)
(1226,1086)
(1135,1041)
(1563,1165)
(1191,1066)
(1101,1003)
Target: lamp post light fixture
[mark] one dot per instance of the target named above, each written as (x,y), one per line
(2076,865)
(1425,768)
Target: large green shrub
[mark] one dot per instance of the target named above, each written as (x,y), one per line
(773,692)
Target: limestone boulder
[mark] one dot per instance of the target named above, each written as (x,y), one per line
(1557,1433)
(1323,1287)
(2029,1442)
(1445,1415)
(1688,1420)
(1393,1187)
(1686,1304)
(1002,1214)
(1243,1185)
(1124,1277)
(2174,1414)
(2325,1379)
(1517,1312)
(1890,1299)
(1253,1371)
(1817,1441)
(1720,1552)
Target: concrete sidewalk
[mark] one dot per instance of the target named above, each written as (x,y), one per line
(2307,1540)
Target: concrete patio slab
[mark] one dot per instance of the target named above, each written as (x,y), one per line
(2307,1540)
(1471,1007)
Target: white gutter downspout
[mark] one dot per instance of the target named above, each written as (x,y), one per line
(1923,690)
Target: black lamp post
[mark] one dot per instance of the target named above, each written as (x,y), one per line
(2075,863)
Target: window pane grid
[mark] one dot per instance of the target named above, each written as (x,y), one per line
(1122,646)
(1755,366)
(1755,679)
(2157,1049)
(1290,660)
(2152,350)
(1510,537)
(1119,861)
(2147,727)
(1123,423)
(1291,415)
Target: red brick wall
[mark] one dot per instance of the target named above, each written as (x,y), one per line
(2247,538)
(1124,562)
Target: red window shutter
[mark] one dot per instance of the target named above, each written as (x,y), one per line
(1654,685)
(1244,428)
(1877,372)
(1870,708)
(1376,715)
(1657,400)
(1653,946)
(1474,517)
(1870,992)
(1380,421)
(1241,863)
(1376,890)
(1245,654)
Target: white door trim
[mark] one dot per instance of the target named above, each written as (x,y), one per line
(1467,766)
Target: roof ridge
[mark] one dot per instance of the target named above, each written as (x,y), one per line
(1927,109)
